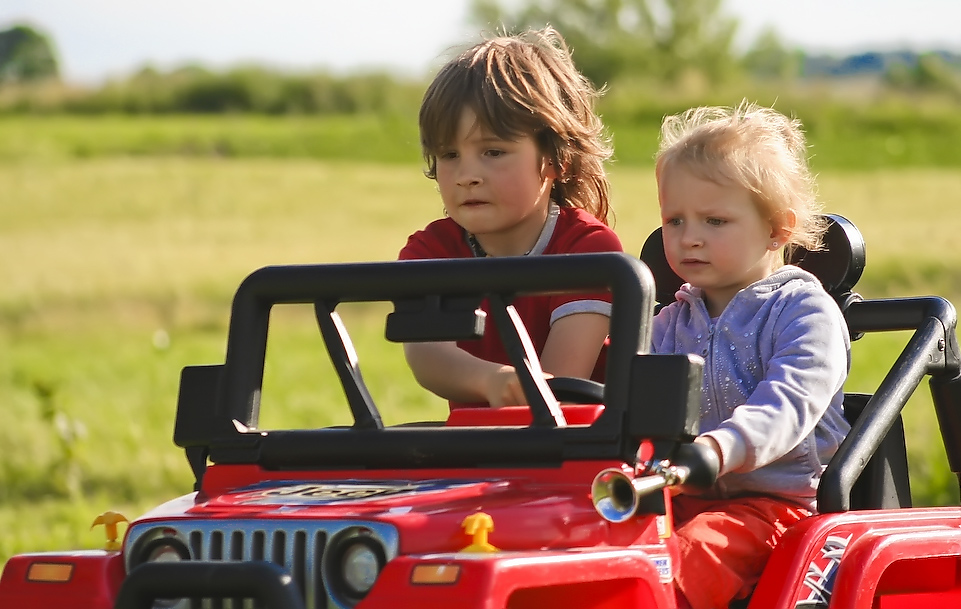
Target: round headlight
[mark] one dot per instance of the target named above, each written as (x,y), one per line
(354,563)
(361,566)
(163,549)
(165,553)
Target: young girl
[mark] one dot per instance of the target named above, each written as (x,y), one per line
(734,190)
(509,132)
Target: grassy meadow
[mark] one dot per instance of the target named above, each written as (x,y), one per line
(117,270)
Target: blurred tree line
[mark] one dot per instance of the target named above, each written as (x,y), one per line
(26,55)
(650,54)
(250,89)
(664,40)
(683,43)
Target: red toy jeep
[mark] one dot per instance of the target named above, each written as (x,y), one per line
(542,506)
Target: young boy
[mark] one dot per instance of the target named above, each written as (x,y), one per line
(509,133)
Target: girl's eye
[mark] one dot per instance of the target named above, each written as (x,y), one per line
(447,154)
(672,222)
(716,221)
(494,152)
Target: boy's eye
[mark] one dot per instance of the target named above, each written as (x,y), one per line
(716,221)
(672,222)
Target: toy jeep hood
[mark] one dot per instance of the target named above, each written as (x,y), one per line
(391,500)
(527,511)
(373,498)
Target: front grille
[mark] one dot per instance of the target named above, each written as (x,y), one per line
(298,546)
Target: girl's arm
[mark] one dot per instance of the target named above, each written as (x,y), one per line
(802,381)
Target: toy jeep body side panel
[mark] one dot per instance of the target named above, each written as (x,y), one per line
(605,578)
(849,559)
(82,580)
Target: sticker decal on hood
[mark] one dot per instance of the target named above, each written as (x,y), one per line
(321,493)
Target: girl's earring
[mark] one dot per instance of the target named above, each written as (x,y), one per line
(774,244)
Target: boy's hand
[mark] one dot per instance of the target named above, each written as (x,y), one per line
(504,388)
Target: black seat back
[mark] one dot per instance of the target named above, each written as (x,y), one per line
(838,265)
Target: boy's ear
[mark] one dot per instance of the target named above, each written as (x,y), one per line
(549,169)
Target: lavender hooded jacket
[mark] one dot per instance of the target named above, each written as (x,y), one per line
(775,363)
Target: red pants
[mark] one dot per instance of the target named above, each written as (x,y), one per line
(725,544)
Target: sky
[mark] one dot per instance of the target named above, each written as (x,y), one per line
(101,39)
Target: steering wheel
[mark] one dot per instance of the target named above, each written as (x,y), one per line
(576,390)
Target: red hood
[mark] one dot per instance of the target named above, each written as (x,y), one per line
(531,509)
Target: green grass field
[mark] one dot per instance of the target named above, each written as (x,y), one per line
(118,271)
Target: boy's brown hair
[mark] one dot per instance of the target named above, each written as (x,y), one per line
(525,85)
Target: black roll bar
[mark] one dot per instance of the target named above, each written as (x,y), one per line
(931,350)
(331,284)
(218,407)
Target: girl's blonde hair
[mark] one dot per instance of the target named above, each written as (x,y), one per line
(525,85)
(754,147)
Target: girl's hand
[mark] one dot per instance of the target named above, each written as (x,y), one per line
(706,441)
(712,443)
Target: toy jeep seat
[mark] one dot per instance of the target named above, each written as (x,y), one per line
(883,483)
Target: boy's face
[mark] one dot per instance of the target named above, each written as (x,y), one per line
(496,189)
(714,237)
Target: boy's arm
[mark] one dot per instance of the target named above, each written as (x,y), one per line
(574,343)
(572,347)
(454,374)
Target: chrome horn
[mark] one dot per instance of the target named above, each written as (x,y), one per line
(616,495)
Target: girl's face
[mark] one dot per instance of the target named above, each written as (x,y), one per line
(714,237)
(497,189)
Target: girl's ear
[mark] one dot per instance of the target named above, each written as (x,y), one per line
(782,231)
